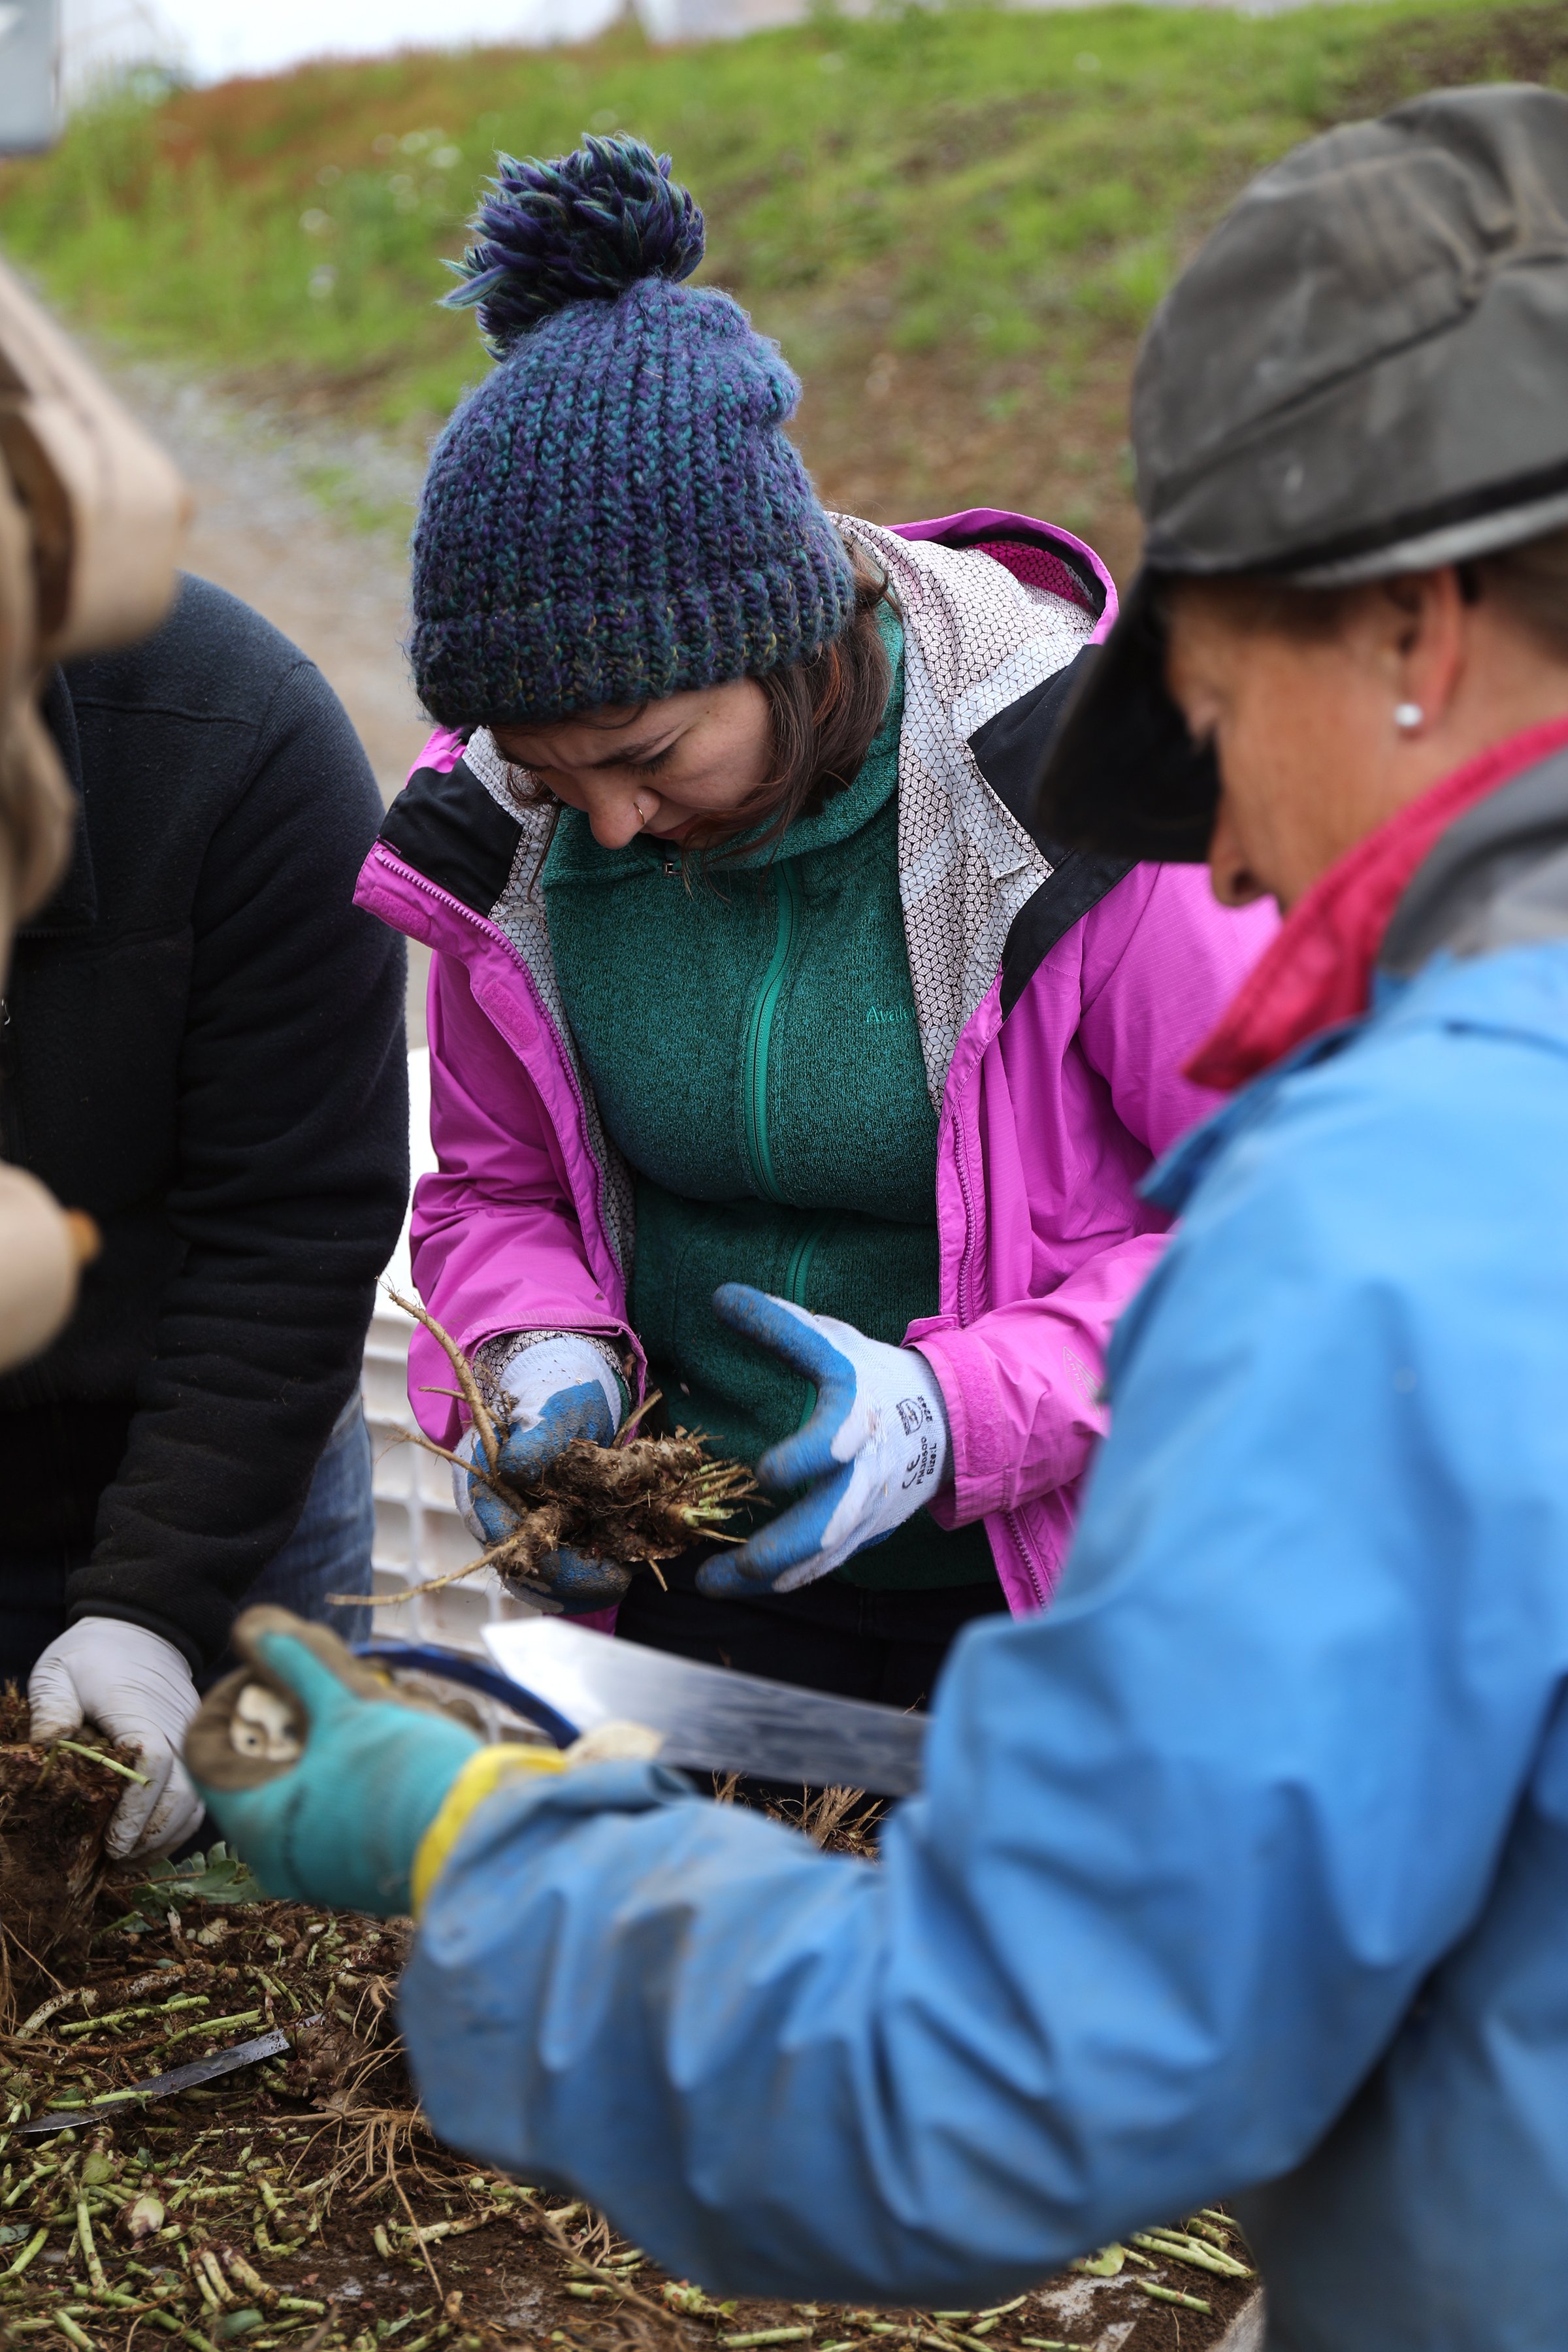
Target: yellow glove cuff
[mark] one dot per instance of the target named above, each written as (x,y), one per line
(486,1771)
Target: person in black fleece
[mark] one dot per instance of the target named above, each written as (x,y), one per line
(202,1046)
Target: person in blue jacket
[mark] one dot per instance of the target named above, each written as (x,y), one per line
(1243,1871)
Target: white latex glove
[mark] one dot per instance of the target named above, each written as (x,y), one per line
(138,1689)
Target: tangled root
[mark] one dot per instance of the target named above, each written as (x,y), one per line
(636,1502)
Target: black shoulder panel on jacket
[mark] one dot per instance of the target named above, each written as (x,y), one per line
(1078,884)
(448,827)
(1010,751)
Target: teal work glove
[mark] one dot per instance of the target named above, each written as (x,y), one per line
(317,1771)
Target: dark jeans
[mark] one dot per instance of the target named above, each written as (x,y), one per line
(329,1551)
(828,1637)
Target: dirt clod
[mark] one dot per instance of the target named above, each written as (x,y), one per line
(54,1806)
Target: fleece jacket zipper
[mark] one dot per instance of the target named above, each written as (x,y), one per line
(759,1034)
(759,1149)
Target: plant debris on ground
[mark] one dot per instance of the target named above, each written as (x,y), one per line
(302,2202)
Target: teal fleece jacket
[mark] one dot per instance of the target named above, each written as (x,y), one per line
(798,1150)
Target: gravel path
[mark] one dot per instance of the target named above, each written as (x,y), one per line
(263,530)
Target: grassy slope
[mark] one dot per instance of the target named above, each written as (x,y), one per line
(957,223)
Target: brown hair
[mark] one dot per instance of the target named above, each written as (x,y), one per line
(824,713)
(1530,582)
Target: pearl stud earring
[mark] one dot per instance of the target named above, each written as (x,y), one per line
(1408,717)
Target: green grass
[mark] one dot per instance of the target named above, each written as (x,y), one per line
(957,221)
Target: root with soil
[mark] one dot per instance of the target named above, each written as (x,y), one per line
(636,1502)
(54,1805)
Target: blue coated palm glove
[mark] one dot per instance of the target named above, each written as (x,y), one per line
(317,1771)
(553,1390)
(874,1450)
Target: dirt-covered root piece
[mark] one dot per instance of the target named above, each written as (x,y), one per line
(541,1529)
(635,1503)
(54,1809)
(660,1493)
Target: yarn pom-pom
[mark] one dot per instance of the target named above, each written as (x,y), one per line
(581,227)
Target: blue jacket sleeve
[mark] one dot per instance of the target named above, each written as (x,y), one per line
(1190,1841)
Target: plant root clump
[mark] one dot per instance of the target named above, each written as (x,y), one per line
(636,1503)
(55,1804)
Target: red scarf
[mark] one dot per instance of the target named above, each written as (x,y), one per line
(1318,968)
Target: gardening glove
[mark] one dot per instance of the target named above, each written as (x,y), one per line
(875,1448)
(336,1786)
(550,1391)
(138,1689)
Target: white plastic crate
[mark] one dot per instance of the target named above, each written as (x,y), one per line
(419,1533)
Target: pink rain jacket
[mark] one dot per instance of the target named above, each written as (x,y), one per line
(1056,1082)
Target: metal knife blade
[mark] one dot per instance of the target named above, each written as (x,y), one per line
(713,1719)
(180,2078)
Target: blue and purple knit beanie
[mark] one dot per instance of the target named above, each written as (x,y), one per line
(615,514)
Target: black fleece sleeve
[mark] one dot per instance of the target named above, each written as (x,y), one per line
(290,1178)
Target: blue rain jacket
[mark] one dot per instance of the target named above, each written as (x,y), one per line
(1243,1869)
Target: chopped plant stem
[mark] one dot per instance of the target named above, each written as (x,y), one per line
(1169,2295)
(89,2249)
(110,1763)
(1188,2250)
(303,2200)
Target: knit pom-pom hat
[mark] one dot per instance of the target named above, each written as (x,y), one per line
(615,514)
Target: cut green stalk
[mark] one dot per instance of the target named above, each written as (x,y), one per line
(89,2250)
(1198,2256)
(109,1762)
(1169,2294)
(765,2335)
(15,2270)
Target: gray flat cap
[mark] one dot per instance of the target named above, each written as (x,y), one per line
(1364,371)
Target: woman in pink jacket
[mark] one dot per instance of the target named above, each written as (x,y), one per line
(772,1062)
